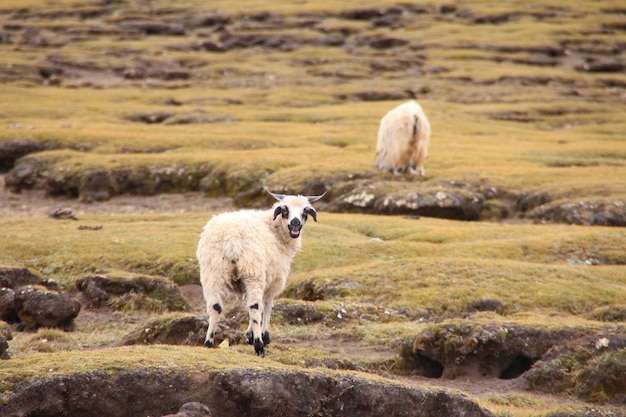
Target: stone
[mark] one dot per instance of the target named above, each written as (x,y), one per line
(159,294)
(39,307)
(14,277)
(193,409)
(7,306)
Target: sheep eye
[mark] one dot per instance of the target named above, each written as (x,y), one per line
(285,211)
(304,215)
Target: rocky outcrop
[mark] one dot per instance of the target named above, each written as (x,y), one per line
(189,331)
(31,301)
(15,277)
(39,307)
(367,193)
(8,312)
(609,213)
(12,150)
(593,369)
(457,349)
(131,293)
(588,363)
(5,336)
(227,393)
(102,184)
(445,203)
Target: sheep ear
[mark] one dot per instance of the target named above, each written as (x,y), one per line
(313,199)
(277,212)
(278,197)
(311,212)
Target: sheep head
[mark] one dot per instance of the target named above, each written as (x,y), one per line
(294,211)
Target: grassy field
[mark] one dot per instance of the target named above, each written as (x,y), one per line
(523,97)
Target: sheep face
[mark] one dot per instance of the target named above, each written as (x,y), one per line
(294,211)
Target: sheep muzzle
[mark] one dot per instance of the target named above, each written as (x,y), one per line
(294,229)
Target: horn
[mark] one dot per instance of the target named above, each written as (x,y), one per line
(313,199)
(278,197)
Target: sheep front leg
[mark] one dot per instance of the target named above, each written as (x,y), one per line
(255,310)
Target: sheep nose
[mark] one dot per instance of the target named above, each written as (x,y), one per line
(295,222)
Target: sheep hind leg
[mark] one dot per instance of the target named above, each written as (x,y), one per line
(214,308)
(419,160)
(255,310)
(265,324)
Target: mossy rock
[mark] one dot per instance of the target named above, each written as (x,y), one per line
(593,368)
(37,307)
(132,293)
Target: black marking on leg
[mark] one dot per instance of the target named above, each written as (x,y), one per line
(249,338)
(266,338)
(217,307)
(255,321)
(258,347)
(255,306)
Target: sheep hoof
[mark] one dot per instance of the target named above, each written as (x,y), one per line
(266,338)
(208,344)
(258,348)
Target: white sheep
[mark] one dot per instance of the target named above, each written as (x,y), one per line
(403,138)
(249,252)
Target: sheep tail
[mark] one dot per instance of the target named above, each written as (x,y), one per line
(415,125)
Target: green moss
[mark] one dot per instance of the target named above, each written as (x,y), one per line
(603,378)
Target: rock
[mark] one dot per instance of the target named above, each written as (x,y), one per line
(11,277)
(134,292)
(102,184)
(5,336)
(528,201)
(363,14)
(491,351)
(25,175)
(63,213)
(241,392)
(12,150)
(298,313)
(314,290)
(374,96)
(593,368)
(7,306)
(386,43)
(154,28)
(39,307)
(610,213)
(459,204)
(189,331)
(194,409)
